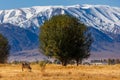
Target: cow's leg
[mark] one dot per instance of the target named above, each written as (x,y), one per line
(30,68)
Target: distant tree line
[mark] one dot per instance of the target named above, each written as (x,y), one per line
(113,61)
(108,61)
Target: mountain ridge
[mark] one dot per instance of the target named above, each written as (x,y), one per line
(21,26)
(24,17)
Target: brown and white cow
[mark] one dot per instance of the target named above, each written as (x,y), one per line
(26,65)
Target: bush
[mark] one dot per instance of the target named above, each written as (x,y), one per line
(42,65)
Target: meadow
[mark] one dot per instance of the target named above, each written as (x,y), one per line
(58,72)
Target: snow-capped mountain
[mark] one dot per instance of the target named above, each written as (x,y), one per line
(21,26)
(100,16)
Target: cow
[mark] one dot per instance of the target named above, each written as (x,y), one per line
(26,65)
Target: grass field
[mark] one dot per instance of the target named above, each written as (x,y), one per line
(58,72)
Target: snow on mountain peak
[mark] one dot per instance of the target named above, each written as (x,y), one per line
(101,16)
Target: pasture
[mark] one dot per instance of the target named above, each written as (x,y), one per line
(58,72)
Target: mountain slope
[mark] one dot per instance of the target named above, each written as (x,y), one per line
(21,26)
(20,39)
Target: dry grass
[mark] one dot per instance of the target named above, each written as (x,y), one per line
(58,72)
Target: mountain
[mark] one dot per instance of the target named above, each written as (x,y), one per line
(21,26)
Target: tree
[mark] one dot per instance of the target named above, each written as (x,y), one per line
(81,49)
(64,38)
(4,49)
(117,61)
(111,61)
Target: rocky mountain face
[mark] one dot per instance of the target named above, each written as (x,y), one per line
(21,26)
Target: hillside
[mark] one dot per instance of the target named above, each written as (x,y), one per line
(21,26)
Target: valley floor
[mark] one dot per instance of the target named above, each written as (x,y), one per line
(58,72)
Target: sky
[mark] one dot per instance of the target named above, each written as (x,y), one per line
(12,4)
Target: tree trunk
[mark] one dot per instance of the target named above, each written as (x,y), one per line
(64,63)
(77,62)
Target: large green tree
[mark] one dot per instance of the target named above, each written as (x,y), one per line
(64,38)
(4,49)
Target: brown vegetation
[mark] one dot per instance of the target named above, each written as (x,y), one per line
(58,72)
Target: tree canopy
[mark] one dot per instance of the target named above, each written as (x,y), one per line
(65,38)
(4,49)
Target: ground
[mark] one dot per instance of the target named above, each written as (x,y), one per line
(58,72)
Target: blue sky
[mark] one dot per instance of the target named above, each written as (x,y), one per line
(10,4)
